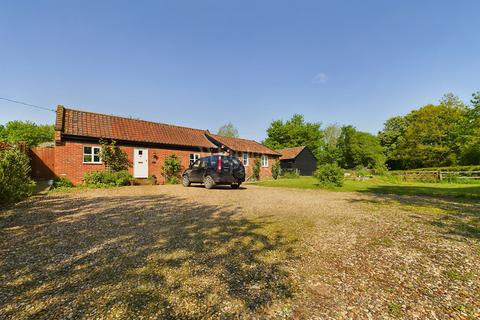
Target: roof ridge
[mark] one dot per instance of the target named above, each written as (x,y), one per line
(219,135)
(141,120)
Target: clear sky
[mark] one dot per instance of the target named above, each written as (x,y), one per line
(204,63)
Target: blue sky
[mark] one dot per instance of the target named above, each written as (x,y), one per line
(204,63)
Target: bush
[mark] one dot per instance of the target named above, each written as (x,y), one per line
(107,178)
(62,183)
(171,169)
(15,181)
(290,174)
(329,175)
(115,158)
(276,169)
(256,169)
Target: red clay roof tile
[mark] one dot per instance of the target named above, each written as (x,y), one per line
(290,153)
(243,145)
(95,125)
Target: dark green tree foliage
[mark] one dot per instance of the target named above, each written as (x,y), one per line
(115,159)
(26,131)
(390,138)
(470,134)
(359,149)
(329,152)
(294,133)
(228,130)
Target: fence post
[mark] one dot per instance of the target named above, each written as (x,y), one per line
(440,177)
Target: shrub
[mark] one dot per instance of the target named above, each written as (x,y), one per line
(290,174)
(329,175)
(115,158)
(15,181)
(62,183)
(171,169)
(107,178)
(276,170)
(256,169)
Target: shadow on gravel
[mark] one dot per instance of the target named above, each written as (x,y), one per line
(137,256)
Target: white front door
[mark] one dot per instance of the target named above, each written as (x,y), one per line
(140,162)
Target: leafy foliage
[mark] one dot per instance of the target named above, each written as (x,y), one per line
(329,175)
(62,182)
(294,133)
(276,169)
(256,169)
(15,181)
(107,178)
(228,130)
(290,174)
(26,131)
(115,158)
(359,149)
(171,169)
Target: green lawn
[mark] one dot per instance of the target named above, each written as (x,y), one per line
(383,185)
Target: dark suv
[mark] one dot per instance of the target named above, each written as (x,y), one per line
(215,170)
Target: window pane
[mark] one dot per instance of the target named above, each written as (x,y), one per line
(87,150)
(96,150)
(96,158)
(87,158)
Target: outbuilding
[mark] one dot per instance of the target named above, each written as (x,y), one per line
(298,158)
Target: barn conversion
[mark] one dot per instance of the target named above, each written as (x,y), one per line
(298,158)
(77,150)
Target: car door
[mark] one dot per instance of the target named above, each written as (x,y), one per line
(197,171)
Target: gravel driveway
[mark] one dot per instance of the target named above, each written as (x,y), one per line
(190,253)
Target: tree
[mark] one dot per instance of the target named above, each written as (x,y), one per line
(228,130)
(470,133)
(390,137)
(359,149)
(26,131)
(430,138)
(295,132)
(452,101)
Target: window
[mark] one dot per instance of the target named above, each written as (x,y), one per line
(91,154)
(194,157)
(245,158)
(264,161)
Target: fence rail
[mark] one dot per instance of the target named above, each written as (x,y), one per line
(437,175)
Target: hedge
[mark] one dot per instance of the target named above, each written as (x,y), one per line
(15,181)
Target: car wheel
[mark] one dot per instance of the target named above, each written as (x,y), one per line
(208,182)
(186,181)
(235,185)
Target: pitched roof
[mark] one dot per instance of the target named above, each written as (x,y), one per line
(95,125)
(244,145)
(290,153)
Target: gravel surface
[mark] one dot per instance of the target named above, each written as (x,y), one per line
(168,252)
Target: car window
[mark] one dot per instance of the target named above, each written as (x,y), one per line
(196,164)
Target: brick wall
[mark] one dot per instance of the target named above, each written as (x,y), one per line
(265,172)
(69,161)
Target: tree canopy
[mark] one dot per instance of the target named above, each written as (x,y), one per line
(228,130)
(359,149)
(294,132)
(26,131)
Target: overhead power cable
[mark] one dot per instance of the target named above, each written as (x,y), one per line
(28,104)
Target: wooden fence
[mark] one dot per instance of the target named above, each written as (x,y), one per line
(438,176)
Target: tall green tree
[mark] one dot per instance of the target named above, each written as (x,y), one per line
(470,134)
(228,130)
(430,137)
(390,137)
(359,149)
(294,132)
(26,131)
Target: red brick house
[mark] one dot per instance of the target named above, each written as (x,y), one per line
(77,148)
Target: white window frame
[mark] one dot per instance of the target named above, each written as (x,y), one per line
(245,163)
(196,156)
(92,154)
(264,161)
